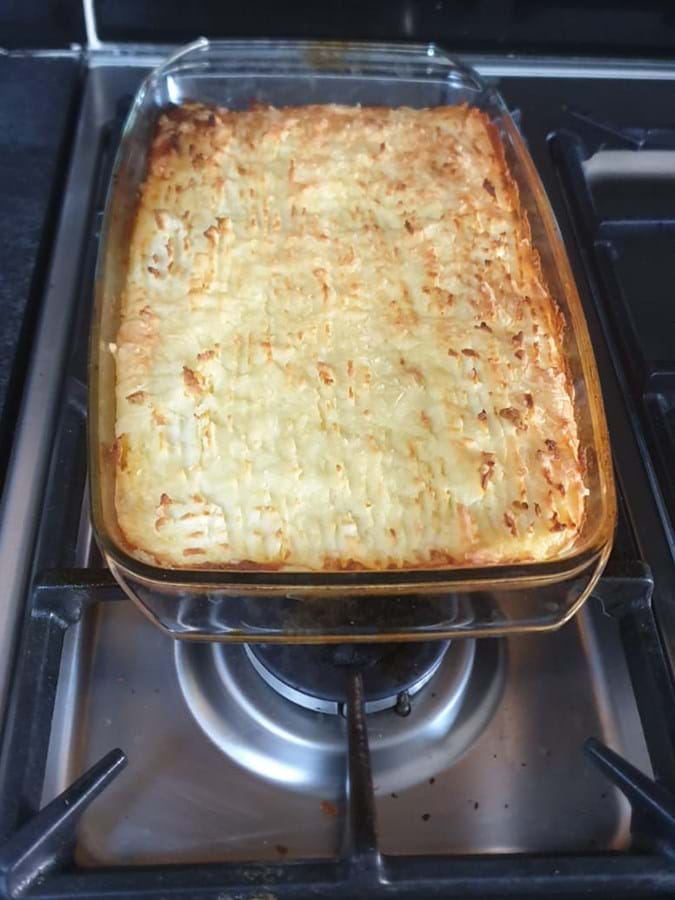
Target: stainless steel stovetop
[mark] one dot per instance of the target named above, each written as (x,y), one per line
(489,760)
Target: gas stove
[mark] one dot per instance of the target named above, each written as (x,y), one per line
(416,770)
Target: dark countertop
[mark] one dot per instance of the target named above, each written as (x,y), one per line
(568,27)
(37,101)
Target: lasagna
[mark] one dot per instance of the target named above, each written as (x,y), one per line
(336,349)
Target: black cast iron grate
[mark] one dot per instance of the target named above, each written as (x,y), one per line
(620,185)
(36,859)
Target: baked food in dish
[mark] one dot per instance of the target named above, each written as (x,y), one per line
(336,349)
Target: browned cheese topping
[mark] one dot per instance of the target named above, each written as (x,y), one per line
(336,349)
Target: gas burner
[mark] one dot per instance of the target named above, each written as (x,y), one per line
(304,749)
(315,676)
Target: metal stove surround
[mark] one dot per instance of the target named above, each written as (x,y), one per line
(483,789)
(360,850)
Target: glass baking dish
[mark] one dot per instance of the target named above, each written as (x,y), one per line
(388,605)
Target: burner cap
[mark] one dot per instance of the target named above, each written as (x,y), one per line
(314,676)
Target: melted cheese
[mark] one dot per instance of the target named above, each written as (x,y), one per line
(336,349)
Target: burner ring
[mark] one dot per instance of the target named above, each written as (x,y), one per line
(389,671)
(282,742)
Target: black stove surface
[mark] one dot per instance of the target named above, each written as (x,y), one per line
(562,27)
(616,215)
(620,182)
(33,151)
(562,135)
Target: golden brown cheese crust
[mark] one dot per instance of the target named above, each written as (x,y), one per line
(336,349)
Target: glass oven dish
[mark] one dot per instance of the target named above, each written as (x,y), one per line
(387,605)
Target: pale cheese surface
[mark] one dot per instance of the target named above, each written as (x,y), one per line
(336,349)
